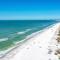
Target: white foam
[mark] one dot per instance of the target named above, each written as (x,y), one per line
(28,30)
(23,32)
(20,32)
(3,39)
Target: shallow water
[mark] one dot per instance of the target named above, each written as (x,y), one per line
(12,31)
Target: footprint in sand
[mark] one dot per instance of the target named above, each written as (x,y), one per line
(28,48)
(49,51)
(49,59)
(40,47)
(34,42)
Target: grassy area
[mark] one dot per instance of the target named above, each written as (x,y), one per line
(58,39)
(58,36)
(57,52)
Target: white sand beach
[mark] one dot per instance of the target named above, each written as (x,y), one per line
(40,47)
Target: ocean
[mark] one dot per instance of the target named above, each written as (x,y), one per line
(12,31)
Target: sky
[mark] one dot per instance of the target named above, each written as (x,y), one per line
(29,9)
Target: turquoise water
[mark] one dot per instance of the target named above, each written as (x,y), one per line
(12,31)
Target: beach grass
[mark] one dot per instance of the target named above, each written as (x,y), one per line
(57,52)
(58,36)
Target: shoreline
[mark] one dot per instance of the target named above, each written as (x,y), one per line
(31,36)
(2,53)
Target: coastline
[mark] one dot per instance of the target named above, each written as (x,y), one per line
(34,34)
(3,53)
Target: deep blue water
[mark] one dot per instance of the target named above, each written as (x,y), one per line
(16,30)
